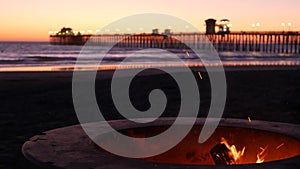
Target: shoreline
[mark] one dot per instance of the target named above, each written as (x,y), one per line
(226,67)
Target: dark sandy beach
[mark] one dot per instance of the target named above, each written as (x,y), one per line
(33,102)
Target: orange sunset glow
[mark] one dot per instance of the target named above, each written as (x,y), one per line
(32,20)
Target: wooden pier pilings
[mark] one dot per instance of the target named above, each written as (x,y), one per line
(266,42)
(257,42)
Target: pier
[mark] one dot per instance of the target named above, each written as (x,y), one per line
(266,42)
(69,39)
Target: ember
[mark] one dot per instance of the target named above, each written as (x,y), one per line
(249,119)
(278,147)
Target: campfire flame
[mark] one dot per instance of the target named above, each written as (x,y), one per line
(234,153)
(259,160)
(261,155)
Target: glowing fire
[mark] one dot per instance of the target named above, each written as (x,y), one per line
(259,160)
(236,155)
(261,156)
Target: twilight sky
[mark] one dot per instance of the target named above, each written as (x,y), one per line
(30,20)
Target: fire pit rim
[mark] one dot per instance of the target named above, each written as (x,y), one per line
(47,150)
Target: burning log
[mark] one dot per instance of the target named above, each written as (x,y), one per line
(221,154)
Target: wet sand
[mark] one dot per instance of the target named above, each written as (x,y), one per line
(33,102)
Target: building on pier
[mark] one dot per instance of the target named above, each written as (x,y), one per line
(210,26)
(155,31)
(223,26)
(66,36)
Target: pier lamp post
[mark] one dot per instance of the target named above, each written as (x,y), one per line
(253,26)
(289,25)
(141,29)
(283,26)
(187,28)
(257,26)
(90,31)
(117,30)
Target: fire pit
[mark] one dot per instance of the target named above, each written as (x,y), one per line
(236,142)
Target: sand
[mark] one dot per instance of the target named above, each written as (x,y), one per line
(33,102)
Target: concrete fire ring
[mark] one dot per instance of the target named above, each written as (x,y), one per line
(71,148)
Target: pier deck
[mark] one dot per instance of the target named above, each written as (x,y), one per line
(267,42)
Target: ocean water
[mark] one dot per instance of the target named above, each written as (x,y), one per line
(27,54)
(21,55)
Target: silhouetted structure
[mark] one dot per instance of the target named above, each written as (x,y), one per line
(167,32)
(268,42)
(224,26)
(66,36)
(155,31)
(65,32)
(210,26)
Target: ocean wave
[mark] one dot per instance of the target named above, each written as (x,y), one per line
(9,61)
(46,58)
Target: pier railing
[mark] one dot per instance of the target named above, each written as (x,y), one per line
(267,42)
